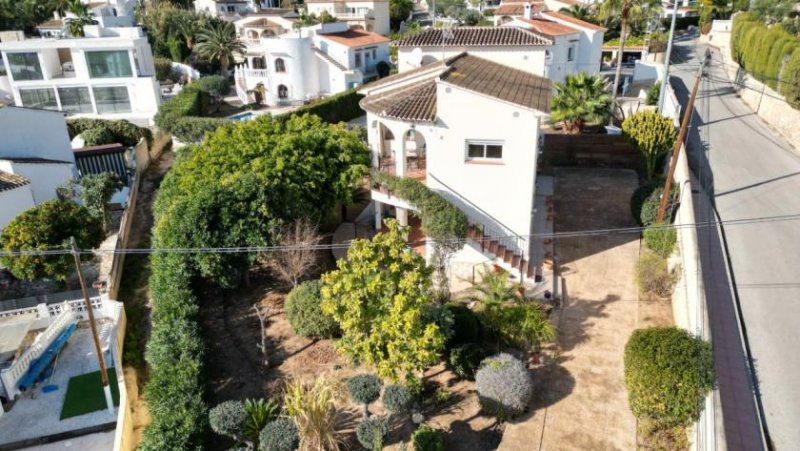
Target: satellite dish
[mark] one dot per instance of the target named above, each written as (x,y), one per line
(416,57)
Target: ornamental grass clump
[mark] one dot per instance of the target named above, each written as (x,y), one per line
(504,386)
(313,406)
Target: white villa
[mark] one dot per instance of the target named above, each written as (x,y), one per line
(109,74)
(294,66)
(107,13)
(35,158)
(431,124)
(546,44)
(369,15)
(227,9)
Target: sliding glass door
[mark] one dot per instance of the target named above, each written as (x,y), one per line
(112,99)
(109,64)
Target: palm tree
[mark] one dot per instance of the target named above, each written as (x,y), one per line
(219,43)
(493,292)
(628,11)
(582,99)
(579,11)
(187,27)
(82,17)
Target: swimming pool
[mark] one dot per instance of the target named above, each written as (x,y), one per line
(246,116)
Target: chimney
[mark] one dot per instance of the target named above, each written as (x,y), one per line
(528,11)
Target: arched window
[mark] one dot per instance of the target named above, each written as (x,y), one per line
(258,63)
(279,65)
(283,92)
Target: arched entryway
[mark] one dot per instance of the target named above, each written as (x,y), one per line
(415,151)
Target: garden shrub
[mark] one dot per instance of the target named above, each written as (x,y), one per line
(525,325)
(426,438)
(98,136)
(364,388)
(504,386)
(259,413)
(371,432)
(163,68)
(649,210)
(194,129)
(214,85)
(304,311)
(466,325)
(228,418)
(668,373)
(279,435)
(441,316)
(123,132)
(660,239)
(337,108)
(654,137)
(639,196)
(464,360)
(397,399)
(190,101)
(653,276)
(653,93)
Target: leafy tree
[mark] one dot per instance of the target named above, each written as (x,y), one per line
(580,11)
(629,11)
(668,373)
(399,10)
(299,258)
(82,17)
(48,225)
(773,11)
(654,136)
(378,295)
(26,14)
(582,99)
(96,192)
(246,178)
(216,86)
(471,17)
(219,43)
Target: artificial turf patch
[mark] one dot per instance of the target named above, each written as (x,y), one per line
(85,394)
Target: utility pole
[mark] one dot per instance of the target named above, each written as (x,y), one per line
(667,57)
(90,312)
(687,117)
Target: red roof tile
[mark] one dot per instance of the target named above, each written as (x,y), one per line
(355,38)
(548,27)
(574,21)
(473,36)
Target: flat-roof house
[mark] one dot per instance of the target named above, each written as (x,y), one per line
(368,15)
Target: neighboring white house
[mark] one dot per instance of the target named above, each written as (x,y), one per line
(108,74)
(543,44)
(35,158)
(294,66)
(234,9)
(508,11)
(108,13)
(431,124)
(369,15)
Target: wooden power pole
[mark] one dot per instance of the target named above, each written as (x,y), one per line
(676,151)
(90,312)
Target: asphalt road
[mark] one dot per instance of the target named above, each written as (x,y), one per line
(750,172)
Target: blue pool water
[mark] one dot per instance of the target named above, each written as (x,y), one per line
(246,116)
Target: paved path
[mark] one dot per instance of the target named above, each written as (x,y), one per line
(750,172)
(581,403)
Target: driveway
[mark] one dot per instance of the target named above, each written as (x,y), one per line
(749,172)
(581,401)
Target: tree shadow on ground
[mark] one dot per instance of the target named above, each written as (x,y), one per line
(578,317)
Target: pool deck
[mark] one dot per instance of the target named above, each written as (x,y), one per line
(36,415)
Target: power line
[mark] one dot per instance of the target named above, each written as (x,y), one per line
(289,248)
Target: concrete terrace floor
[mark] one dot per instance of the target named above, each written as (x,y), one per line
(36,414)
(580,401)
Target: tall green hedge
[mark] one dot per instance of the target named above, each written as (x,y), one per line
(341,107)
(190,101)
(768,53)
(441,220)
(119,131)
(176,386)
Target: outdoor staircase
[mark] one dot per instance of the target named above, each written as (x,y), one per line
(491,246)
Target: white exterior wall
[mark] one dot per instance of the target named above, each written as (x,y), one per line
(505,190)
(22,135)
(301,69)
(590,52)
(375,18)
(143,89)
(529,58)
(44,177)
(14,202)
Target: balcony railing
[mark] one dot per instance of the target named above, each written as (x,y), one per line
(253,73)
(416,167)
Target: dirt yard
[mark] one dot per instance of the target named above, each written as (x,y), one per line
(584,386)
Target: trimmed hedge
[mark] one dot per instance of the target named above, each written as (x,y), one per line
(768,53)
(441,220)
(122,131)
(364,388)
(397,399)
(372,431)
(175,353)
(279,435)
(504,386)
(194,129)
(341,107)
(190,101)
(668,373)
(303,310)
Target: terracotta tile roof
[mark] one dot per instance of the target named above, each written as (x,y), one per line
(415,103)
(474,36)
(397,77)
(12,181)
(355,38)
(52,23)
(516,9)
(548,27)
(499,81)
(574,21)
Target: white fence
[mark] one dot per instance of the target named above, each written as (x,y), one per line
(56,317)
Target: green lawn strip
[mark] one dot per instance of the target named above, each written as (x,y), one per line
(85,394)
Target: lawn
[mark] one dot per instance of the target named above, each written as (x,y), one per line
(85,394)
